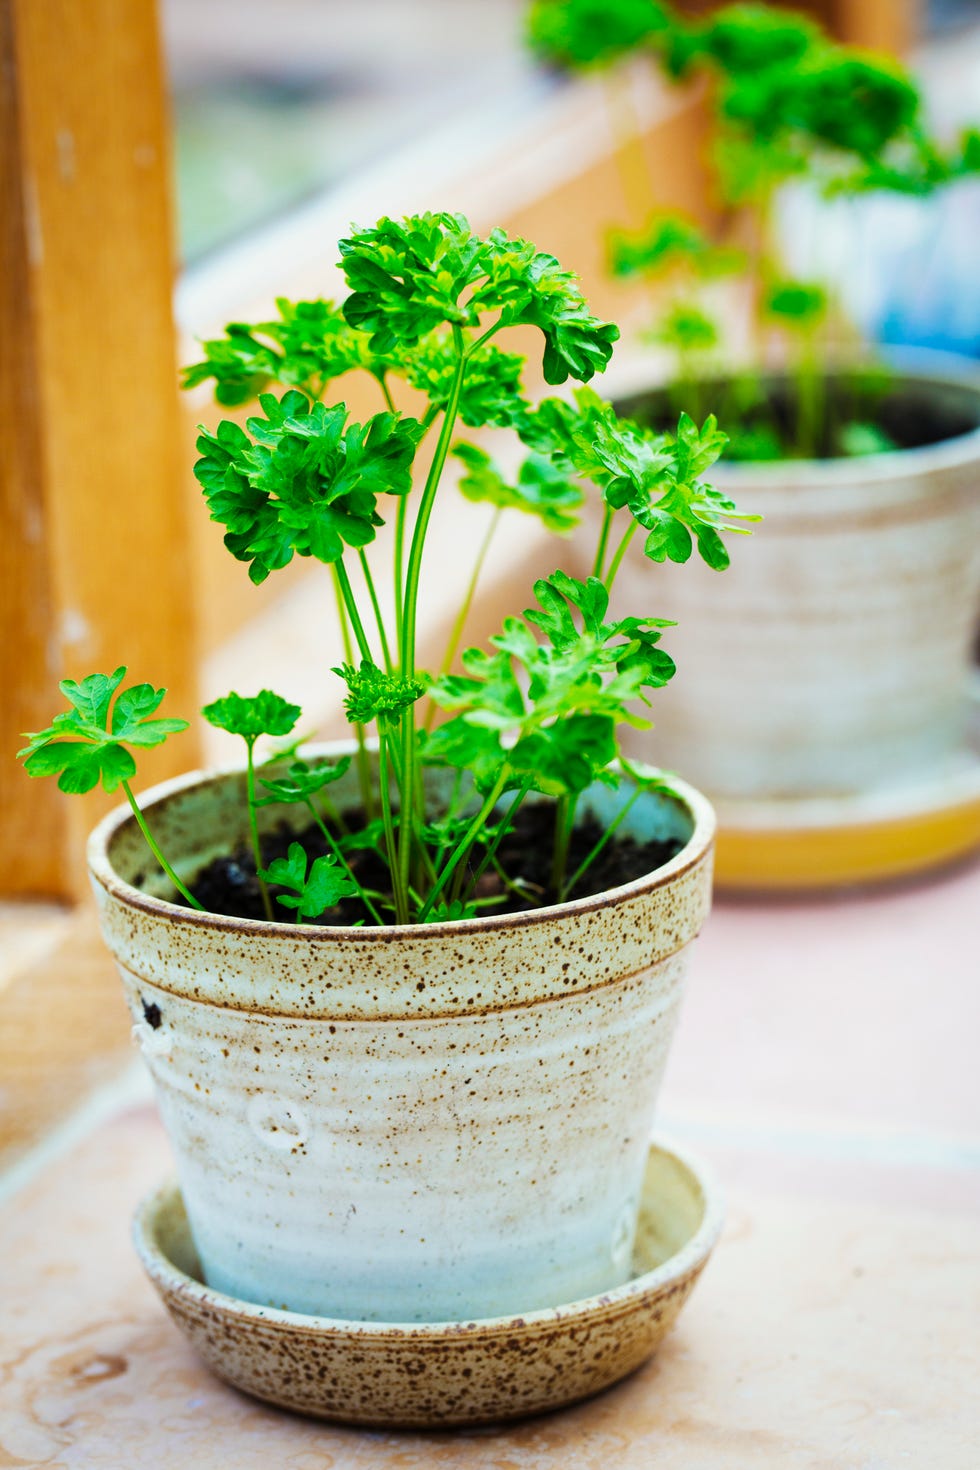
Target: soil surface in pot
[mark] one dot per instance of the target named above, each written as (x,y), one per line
(228,885)
(859,414)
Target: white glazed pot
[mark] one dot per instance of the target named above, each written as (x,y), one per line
(436,1122)
(834,655)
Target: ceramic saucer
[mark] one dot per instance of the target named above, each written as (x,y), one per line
(431,1375)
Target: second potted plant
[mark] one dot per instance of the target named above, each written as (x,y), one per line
(407,1005)
(830,687)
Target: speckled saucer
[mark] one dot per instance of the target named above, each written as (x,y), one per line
(432,1375)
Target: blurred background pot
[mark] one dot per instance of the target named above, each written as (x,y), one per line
(834,657)
(436,1122)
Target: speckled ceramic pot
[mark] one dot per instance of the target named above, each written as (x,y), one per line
(436,1122)
(834,655)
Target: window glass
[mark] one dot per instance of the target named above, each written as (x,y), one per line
(275,102)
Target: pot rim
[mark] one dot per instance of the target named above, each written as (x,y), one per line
(910,364)
(102,872)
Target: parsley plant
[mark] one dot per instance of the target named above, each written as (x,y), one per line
(789,104)
(537,713)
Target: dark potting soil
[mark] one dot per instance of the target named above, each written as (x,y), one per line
(228,885)
(864,413)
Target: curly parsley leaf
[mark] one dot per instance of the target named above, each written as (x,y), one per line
(407,277)
(657,477)
(800,304)
(680,504)
(305,483)
(463,743)
(541,489)
(84,746)
(585,33)
(530,288)
(548,711)
(412,276)
(747,39)
(571,613)
(253,715)
(851,102)
(303,781)
(374,695)
(307,346)
(369,838)
(445,913)
(322,888)
(687,328)
(492,391)
(669,241)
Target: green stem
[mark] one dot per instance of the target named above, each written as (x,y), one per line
(460,623)
(409,798)
(410,608)
(331,842)
(502,829)
(488,903)
(151,844)
(372,594)
(621,549)
(401,517)
(334,814)
(761,255)
(363,760)
(456,635)
(600,554)
(383,385)
(422,857)
(564,822)
(253,823)
(490,332)
(449,817)
(809,396)
(410,613)
(587,862)
(398,893)
(519,886)
(347,592)
(465,842)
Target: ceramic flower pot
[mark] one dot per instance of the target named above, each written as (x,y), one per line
(436,1122)
(835,654)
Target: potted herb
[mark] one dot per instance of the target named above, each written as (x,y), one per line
(407,1003)
(798,666)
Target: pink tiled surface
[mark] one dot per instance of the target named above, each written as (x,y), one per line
(854,1014)
(825,1066)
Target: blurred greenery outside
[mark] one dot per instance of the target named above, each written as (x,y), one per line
(275,105)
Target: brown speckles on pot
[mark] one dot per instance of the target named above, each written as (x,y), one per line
(440,1121)
(450,1373)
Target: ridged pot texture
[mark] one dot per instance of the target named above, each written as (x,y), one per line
(834,655)
(427,1123)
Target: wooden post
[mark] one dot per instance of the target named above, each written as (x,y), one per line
(93,555)
(881,25)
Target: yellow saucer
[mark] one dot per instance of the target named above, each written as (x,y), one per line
(832,842)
